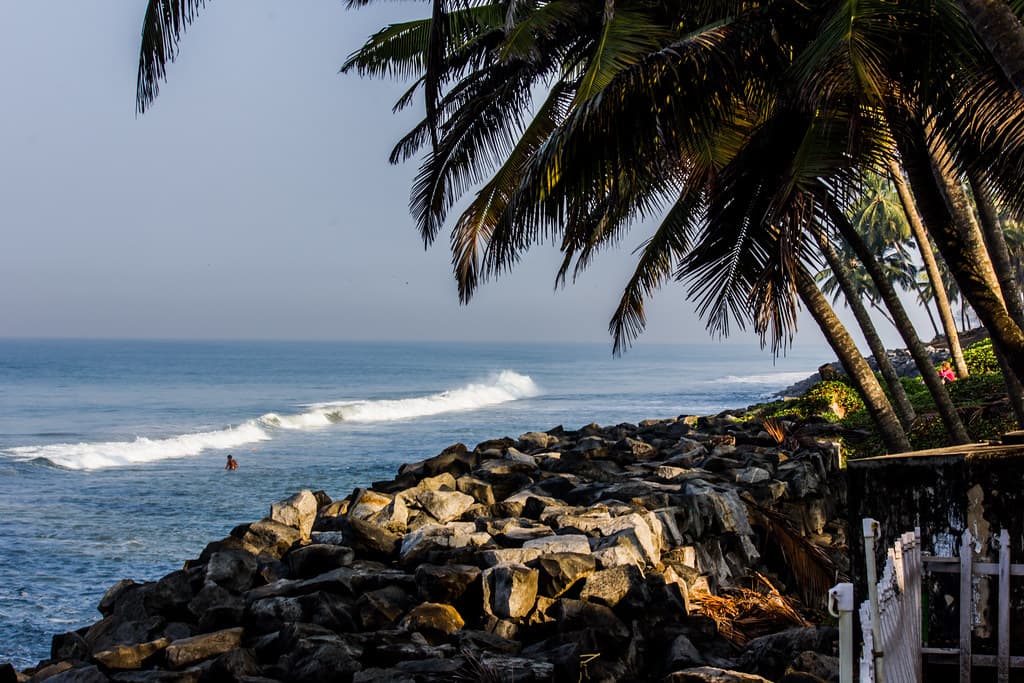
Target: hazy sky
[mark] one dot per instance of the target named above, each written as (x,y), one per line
(254,200)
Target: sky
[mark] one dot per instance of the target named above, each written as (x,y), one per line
(254,200)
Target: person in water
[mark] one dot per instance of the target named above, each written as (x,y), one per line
(232,463)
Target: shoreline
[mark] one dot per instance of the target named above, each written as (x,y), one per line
(613,538)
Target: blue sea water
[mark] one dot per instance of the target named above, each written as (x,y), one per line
(112,452)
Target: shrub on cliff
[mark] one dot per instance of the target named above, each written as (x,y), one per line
(832,398)
(980,358)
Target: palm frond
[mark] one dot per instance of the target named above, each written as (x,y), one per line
(162,26)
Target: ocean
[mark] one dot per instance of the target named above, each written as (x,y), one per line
(112,452)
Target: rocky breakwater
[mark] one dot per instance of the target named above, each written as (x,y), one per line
(605,554)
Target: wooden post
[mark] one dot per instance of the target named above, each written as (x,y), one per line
(966,607)
(1003,646)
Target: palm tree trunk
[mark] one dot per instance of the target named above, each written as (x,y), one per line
(892,380)
(1001,33)
(932,268)
(926,305)
(944,404)
(965,257)
(853,362)
(992,231)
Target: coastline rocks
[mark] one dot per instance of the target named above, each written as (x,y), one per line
(559,555)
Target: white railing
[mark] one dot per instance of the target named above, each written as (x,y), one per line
(892,650)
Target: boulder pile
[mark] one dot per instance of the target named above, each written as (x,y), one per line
(557,556)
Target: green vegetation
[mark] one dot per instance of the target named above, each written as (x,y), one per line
(981,358)
(980,400)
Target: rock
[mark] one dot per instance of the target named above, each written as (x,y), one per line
(321,608)
(182,653)
(481,491)
(417,544)
(637,529)
(269,537)
(491,558)
(753,475)
(682,654)
(609,586)
(771,654)
(444,506)
(298,511)
(510,590)
(383,607)
(620,550)
(320,661)
(112,595)
(813,664)
(130,656)
(710,674)
(70,645)
(633,450)
(235,665)
(232,569)
(435,620)
(366,503)
(522,669)
(446,583)
(561,571)
(537,441)
(216,607)
(111,631)
(79,674)
(567,543)
(375,541)
(191,675)
(313,560)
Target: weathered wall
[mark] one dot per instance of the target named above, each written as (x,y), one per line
(944,492)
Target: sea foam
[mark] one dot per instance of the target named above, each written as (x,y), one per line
(503,387)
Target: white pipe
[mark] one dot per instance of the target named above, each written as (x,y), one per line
(870,527)
(840,604)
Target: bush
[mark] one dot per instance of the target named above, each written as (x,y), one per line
(832,397)
(977,389)
(980,358)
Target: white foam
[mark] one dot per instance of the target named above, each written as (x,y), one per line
(92,456)
(782,379)
(503,387)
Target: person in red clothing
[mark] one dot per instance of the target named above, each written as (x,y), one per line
(232,463)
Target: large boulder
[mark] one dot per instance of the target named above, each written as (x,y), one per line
(510,590)
(561,571)
(188,651)
(268,537)
(298,512)
(445,583)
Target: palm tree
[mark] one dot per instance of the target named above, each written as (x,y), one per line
(935,279)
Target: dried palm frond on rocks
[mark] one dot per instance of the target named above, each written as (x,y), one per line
(744,613)
(813,570)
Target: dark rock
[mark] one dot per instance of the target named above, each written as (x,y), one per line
(455,460)
(111,631)
(313,560)
(770,655)
(68,646)
(233,569)
(110,598)
(814,666)
(80,674)
(317,661)
(382,607)
(325,609)
(373,540)
(159,676)
(710,674)
(447,583)
(682,654)
(216,608)
(232,667)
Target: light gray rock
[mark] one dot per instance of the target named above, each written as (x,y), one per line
(510,590)
(444,506)
(567,543)
(366,503)
(492,558)
(298,511)
(561,571)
